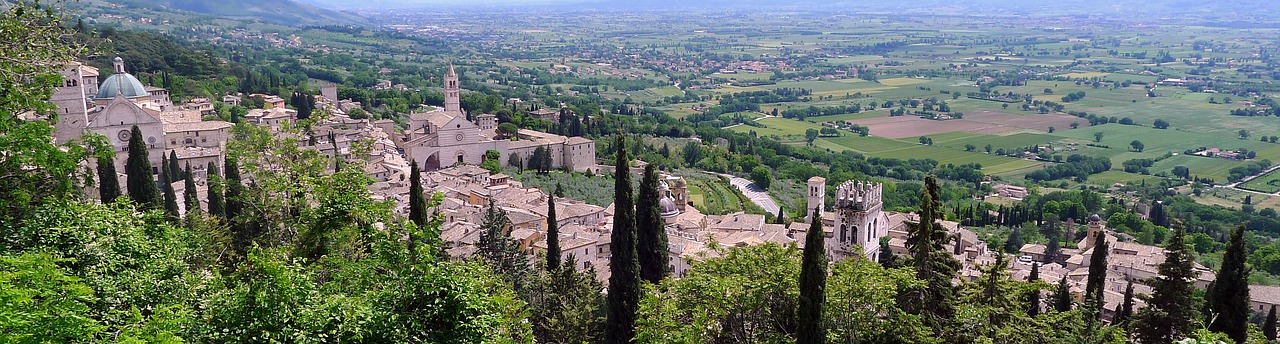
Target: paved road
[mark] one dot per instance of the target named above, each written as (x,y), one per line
(1236,185)
(753,192)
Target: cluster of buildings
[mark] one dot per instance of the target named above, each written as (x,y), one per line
(449,147)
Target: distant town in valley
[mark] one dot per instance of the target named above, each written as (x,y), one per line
(608,172)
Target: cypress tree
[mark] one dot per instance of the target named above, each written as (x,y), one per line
(1269,327)
(813,284)
(1126,309)
(926,242)
(652,241)
(779,218)
(190,199)
(231,189)
(553,234)
(214,183)
(1014,241)
(1229,296)
(417,198)
(175,171)
(1174,310)
(170,199)
(1062,296)
(108,184)
(1096,282)
(141,186)
(624,278)
(1033,298)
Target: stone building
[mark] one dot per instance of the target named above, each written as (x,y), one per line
(444,137)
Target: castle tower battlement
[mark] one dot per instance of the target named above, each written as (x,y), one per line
(859,222)
(859,196)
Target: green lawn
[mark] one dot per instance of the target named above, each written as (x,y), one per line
(1269,183)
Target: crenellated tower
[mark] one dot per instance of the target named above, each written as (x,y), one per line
(860,223)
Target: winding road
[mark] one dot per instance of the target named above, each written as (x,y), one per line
(753,192)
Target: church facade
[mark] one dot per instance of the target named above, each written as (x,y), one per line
(113,107)
(445,137)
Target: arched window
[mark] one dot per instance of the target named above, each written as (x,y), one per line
(844,230)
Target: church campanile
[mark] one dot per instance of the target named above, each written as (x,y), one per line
(452,104)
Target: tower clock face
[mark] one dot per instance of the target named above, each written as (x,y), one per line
(123,135)
(459,137)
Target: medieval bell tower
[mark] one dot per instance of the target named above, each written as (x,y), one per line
(817,197)
(860,223)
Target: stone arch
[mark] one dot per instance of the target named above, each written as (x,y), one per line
(432,163)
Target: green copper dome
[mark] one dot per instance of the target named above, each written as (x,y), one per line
(121,83)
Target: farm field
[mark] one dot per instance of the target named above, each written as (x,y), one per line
(1268,183)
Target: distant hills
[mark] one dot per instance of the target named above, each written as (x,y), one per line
(979,7)
(284,12)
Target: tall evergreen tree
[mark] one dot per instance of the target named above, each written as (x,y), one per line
(624,278)
(926,242)
(108,184)
(1126,309)
(214,184)
(651,244)
(497,249)
(1033,298)
(231,189)
(1229,296)
(1269,327)
(1096,282)
(141,186)
(813,284)
(1062,296)
(1174,309)
(553,234)
(1014,242)
(778,219)
(190,198)
(170,199)
(175,171)
(417,197)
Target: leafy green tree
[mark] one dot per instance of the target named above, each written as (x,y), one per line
(214,184)
(1228,297)
(651,241)
(810,135)
(813,284)
(761,176)
(142,188)
(692,153)
(108,183)
(926,242)
(1173,309)
(1062,296)
(740,295)
(1137,146)
(624,277)
(1095,285)
(190,199)
(553,234)
(1097,136)
(41,303)
(35,170)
